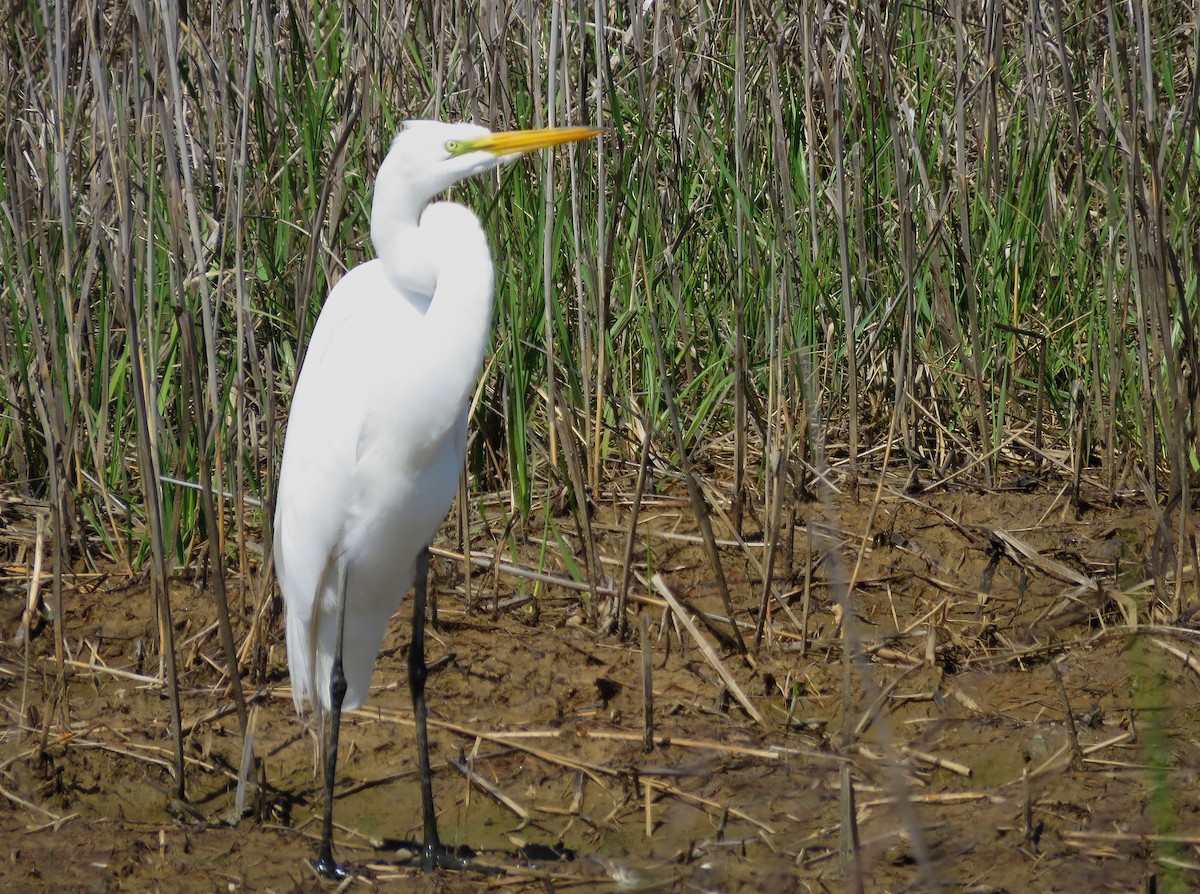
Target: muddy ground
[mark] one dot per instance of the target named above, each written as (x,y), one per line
(987,626)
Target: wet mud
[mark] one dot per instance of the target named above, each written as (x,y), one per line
(986,716)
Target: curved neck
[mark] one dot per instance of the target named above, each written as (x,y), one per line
(458,322)
(402,246)
(441,265)
(437,258)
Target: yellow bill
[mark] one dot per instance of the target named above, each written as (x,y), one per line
(514,142)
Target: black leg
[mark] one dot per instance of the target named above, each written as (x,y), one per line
(326,865)
(434,855)
(431,595)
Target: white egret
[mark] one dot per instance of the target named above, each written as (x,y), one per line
(378,430)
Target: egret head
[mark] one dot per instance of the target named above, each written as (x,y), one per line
(428,157)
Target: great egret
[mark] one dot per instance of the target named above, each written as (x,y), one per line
(378,431)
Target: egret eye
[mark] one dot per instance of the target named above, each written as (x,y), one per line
(452,146)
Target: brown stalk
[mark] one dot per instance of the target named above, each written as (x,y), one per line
(740,362)
(639,491)
(695,495)
(147,423)
(849,299)
(212,522)
(708,651)
(973,349)
(560,414)
(647,685)
(602,251)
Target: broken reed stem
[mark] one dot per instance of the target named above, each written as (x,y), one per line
(31,603)
(848,847)
(247,782)
(695,495)
(709,652)
(647,685)
(1072,734)
(494,564)
(941,763)
(639,491)
(192,386)
(34,808)
(701,801)
(648,798)
(489,789)
(775,509)
(1027,808)
(808,570)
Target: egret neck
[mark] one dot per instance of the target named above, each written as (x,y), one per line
(396,234)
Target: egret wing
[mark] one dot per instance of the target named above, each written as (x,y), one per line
(317,475)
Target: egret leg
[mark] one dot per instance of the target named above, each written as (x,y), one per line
(326,865)
(432,596)
(434,855)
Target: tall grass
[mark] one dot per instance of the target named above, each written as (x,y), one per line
(971,225)
(975,222)
(815,239)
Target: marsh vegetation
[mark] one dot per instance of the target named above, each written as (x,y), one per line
(862,348)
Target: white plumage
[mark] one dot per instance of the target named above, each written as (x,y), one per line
(375,443)
(378,430)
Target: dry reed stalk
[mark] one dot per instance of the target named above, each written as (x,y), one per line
(708,651)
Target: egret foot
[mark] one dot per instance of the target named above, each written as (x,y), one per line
(329,868)
(435,856)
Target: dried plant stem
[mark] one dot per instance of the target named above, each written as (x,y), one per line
(647,685)
(709,652)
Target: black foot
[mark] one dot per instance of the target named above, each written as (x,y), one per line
(329,868)
(435,856)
